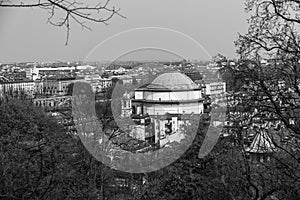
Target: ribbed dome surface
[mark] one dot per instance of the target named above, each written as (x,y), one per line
(172,81)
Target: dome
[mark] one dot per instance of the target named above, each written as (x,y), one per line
(172,81)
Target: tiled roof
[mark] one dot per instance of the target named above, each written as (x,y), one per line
(262,143)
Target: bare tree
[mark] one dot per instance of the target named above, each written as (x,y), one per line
(266,101)
(268,79)
(63,12)
(273,29)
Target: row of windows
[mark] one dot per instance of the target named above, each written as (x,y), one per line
(56,91)
(219,87)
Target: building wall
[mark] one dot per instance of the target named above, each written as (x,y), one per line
(138,132)
(161,109)
(26,86)
(51,102)
(98,84)
(126,108)
(105,83)
(215,88)
(168,96)
(161,137)
(50,87)
(139,95)
(55,87)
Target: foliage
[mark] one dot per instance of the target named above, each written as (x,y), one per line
(38,160)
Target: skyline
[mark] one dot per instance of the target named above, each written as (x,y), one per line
(215,25)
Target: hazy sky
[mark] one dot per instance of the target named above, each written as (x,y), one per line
(214,24)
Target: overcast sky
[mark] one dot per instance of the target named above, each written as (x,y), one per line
(213,24)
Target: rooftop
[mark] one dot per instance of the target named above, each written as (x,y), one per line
(262,143)
(172,81)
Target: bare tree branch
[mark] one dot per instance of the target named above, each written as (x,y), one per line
(63,12)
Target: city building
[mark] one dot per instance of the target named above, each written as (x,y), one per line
(25,86)
(215,87)
(157,108)
(105,83)
(98,83)
(172,92)
(35,73)
(54,86)
(53,102)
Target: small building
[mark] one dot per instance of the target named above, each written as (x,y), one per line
(261,147)
(215,88)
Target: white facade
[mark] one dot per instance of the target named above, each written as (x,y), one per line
(126,106)
(34,72)
(215,88)
(169,96)
(25,86)
(173,102)
(52,101)
(98,83)
(182,108)
(164,100)
(173,93)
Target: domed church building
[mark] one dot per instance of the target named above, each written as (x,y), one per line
(172,93)
(157,108)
